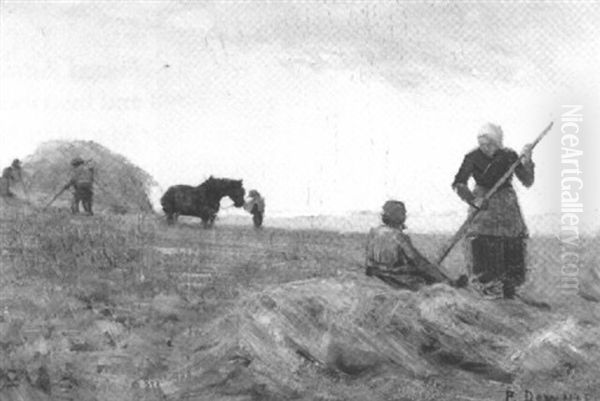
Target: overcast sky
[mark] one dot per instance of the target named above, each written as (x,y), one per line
(322,106)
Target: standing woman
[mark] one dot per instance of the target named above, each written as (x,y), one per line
(255,206)
(496,241)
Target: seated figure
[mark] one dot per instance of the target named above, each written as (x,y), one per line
(391,256)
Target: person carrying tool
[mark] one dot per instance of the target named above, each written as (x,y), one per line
(82,181)
(496,237)
(10,175)
(391,256)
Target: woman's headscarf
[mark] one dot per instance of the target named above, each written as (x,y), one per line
(492,132)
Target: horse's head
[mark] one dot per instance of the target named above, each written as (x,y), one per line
(216,188)
(236,193)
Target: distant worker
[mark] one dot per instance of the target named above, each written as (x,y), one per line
(255,206)
(392,257)
(82,181)
(496,240)
(10,175)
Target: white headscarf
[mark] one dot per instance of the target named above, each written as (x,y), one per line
(493,132)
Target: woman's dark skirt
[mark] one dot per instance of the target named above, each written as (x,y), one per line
(496,242)
(494,259)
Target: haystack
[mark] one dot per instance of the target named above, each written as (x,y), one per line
(348,338)
(352,332)
(120,185)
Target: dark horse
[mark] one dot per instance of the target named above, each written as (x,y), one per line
(202,201)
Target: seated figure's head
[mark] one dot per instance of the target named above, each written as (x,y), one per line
(393,213)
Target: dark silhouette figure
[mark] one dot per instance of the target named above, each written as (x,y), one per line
(10,175)
(82,181)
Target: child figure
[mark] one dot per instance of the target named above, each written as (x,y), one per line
(255,206)
(391,256)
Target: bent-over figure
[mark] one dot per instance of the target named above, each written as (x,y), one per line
(10,175)
(256,207)
(496,240)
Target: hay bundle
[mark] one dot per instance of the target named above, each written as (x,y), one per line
(120,186)
(295,339)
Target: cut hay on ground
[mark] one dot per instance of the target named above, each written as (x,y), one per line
(353,330)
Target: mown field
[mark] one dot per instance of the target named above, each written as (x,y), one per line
(110,307)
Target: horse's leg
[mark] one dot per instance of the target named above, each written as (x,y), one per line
(170,219)
(206,214)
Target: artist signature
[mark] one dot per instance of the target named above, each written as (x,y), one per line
(530,395)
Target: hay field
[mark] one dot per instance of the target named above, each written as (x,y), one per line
(126,308)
